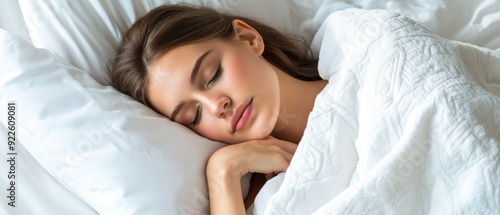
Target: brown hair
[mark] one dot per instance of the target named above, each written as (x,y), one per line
(170,26)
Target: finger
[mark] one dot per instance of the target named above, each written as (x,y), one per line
(280,165)
(288,156)
(290,147)
(269,162)
(278,150)
(287,146)
(275,164)
(287,150)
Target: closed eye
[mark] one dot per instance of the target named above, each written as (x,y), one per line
(196,117)
(215,77)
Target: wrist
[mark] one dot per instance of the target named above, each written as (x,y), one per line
(221,166)
(224,170)
(225,175)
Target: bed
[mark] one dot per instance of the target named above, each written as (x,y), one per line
(84,148)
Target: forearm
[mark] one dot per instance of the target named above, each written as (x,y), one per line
(225,194)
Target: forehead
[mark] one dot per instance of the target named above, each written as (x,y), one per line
(181,58)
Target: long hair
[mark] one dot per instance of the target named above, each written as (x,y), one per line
(169,26)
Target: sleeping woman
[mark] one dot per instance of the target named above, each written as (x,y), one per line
(408,115)
(229,79)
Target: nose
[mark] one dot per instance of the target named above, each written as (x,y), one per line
(218,105)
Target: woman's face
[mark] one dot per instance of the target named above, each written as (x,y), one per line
(223,90)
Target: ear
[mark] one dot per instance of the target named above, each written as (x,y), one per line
(245,33)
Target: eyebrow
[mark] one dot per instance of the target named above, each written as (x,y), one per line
(177,109)
(196,67)
(194,74)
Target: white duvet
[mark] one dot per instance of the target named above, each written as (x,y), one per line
(408,124)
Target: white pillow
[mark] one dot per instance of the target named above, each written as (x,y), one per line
(111,151)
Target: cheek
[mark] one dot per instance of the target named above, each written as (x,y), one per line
(211,128)
(237,71)
(245,71)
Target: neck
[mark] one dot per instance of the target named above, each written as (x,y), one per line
(296,102)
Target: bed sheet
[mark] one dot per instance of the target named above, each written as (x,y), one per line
(470,21)
(405,112)
(11,18)
(36,191)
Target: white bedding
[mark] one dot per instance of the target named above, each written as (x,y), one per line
(37,192)
(408,124)
(478,23)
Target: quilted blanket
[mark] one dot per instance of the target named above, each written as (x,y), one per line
(408,124)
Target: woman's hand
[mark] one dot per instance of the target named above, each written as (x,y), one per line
(228,164)
(268,156)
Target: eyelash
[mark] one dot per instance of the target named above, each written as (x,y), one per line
(215,78)
(196,117)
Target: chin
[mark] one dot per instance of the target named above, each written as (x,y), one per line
(256,134)
(260,134)
(262,130)
(262,126)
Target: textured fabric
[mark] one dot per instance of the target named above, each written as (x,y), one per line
(416,119)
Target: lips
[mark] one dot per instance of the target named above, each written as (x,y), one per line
(241,116)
